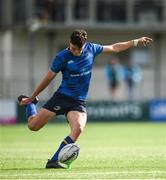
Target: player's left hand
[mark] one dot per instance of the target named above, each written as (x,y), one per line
(144,41)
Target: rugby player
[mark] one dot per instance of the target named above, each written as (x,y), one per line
(75,63)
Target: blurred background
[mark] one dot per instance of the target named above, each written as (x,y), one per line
(33,31)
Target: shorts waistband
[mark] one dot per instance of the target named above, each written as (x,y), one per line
(68,97)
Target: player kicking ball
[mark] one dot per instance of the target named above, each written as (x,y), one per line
(75,63)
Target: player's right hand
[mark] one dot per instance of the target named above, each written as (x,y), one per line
(26,101)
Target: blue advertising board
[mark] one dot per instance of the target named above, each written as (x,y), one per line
(157,110)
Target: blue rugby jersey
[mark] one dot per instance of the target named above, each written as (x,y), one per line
(76,70)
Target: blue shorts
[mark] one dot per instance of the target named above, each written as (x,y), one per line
(62,104)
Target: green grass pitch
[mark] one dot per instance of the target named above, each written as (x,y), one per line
(108,151)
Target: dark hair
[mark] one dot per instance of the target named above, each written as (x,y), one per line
(78,37)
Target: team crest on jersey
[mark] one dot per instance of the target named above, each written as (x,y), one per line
(71,61)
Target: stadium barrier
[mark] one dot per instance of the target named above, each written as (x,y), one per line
(118,111)
(106,111)
(7,111)
(98,111)
(157,110)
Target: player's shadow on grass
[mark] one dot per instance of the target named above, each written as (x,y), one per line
(17,169)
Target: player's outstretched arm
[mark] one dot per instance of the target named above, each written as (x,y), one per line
(42,85)
(122,46)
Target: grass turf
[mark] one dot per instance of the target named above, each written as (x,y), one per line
(108,151)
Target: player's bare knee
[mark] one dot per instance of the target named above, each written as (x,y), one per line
(33,126)
(81,128)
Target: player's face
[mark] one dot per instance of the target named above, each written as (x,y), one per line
(75,50)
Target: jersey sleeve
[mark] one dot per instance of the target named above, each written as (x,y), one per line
(97,49)
(57,64)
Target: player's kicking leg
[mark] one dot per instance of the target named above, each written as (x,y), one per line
(36,120)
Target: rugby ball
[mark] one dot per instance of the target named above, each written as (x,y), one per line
(68,153)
